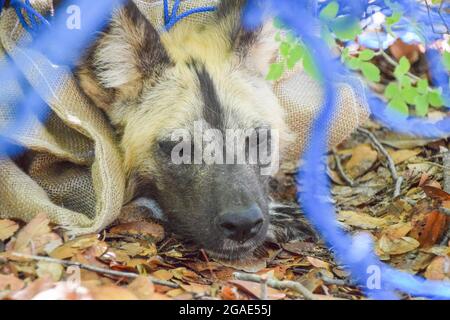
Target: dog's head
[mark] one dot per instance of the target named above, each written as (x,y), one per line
(199,127)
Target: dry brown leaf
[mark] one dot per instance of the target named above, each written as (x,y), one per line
(34,236)
(251,265)
(436,193)
(318,263)
(10,282)
(361,220)
(224,273)
(175,292)
(196,288)
(133,263)
(144,228)
(64,291)
(438,250)
(400,156)
(71,248)
(112,292)
(143,288)
(435,184)
(423,179)
(49,269)
(397,246)
(439,269)
(134,249)
(313,279)
(116,256)
(7,229)
(398,230)
(401,49)
(200,266)
(255,289)
(184,274)
(299,247)
(363,158)
(33,289)
(429,227)
(278,272)
(163,275)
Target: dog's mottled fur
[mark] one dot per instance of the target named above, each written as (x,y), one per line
(150,84)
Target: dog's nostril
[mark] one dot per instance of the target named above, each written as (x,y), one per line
(241,225)
(228,226)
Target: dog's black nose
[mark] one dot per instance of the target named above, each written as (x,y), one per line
(241,225)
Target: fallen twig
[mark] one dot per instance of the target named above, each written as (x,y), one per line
(276,284)
(263,294)
(80,265)
(341,171)
(397,179)
(337,282)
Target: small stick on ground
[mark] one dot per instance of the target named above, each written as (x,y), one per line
(337,282)
(263,295)
(94,268)
(281,285)
(205,256)
(341,171)
(397,179)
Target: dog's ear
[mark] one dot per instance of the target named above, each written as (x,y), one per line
(257,47)
(126,54)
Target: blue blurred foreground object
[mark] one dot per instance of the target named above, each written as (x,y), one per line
(63,46)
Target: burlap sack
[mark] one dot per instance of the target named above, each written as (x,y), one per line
(73,166)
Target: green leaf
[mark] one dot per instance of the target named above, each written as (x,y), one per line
(371,71)
(402,68)
(435,99)
(285,48)
(394,18)
(346,27)
(392,90)
(278,37)
(422,86)
(309,65)
(276,71)
(400,105)
(421,103)
(291,38)
(330,11)
(409,94)
(345,55)
(446,61)
(295,55)
(354,63)
(366,55)
(405,81)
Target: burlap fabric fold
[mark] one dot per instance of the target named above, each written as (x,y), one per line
(71,169)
